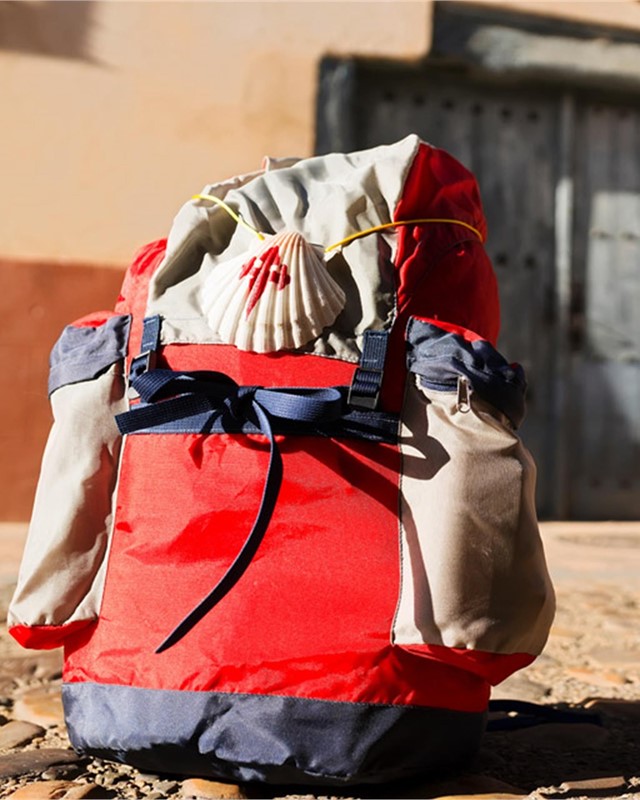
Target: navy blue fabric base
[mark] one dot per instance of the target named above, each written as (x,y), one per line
(282,740)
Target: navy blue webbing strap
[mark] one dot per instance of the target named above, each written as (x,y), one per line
(233,574)
(367,379)
(145,360)
(168,395)
(301,405)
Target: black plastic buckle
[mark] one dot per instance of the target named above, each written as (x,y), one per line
(357,398)
(142,363)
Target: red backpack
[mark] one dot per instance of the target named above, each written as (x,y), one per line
(285,529)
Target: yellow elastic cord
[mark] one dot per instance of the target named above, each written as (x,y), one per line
(366,232)
(238,217)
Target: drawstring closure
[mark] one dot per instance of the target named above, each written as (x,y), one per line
(167,395)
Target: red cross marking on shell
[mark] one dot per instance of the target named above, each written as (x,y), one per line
(262,270)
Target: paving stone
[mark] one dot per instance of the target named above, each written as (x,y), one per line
(110,776)
(49,665)
(307,797)
(59,790)
(592,786)
(35,761)
(616,656)
(563,736)
(42,705)
(82,791)
(6,593)
(463,786)
(166,787)
(211,790)
(596,677)
(519,687)
(484,796)
(616,627)
(65,772)
(624,709)
(42,790)
(17,733)
(562,631)
(46,665)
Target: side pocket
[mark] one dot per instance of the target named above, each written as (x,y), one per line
(61,577)
(474,572)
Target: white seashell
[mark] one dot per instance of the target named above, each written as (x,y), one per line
(278,296)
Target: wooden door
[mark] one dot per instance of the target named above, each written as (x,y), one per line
(603,409)
(559,177)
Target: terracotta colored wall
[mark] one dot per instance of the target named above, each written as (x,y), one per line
(38,299)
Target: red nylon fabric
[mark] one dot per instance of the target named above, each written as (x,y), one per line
(311,620)
(464,333)
(492,667)
(45,637)
(94,320)
(440,187)
(442,270)
(259,369)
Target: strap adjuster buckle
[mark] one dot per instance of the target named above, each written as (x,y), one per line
(362,400)
(358,396)
(142,363)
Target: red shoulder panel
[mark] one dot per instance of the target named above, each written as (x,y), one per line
(442,270)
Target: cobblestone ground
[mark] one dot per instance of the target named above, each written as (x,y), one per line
(592,662)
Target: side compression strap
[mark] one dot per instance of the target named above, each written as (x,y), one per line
(148,346)
(368,377)
(171,395)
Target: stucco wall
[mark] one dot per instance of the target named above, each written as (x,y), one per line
(114,113)
(102,141)
(101,149)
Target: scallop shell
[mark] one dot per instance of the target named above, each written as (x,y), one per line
(276,297)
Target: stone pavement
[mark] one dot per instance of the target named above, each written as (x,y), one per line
(592,662)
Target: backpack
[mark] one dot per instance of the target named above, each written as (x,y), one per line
(285,528)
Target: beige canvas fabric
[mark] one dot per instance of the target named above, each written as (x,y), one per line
(63,567)
(473,567)
(326,199)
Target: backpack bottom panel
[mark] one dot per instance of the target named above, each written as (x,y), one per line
(266,738)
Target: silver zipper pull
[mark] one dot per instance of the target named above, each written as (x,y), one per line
(464,395)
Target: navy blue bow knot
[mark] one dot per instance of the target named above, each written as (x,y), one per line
(166,396)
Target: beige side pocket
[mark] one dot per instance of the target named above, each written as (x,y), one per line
(473,568)
(63,568)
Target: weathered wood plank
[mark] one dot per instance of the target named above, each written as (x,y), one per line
(510,137)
